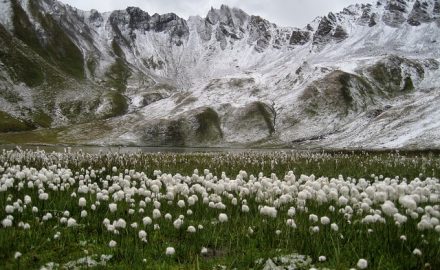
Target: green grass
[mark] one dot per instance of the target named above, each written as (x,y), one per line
(268,116)
(117,75)
(117,49)
(208,125)
(230,242)
(20,66)
(344,79)
(331,164)
(118,103)
(8,123)
(10,95)
(388,77)
(92,63)
(80,110)
(40,136)
(408,85)
(57,48)
(42,119)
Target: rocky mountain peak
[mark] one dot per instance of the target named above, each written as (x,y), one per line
(138,19)
(420,13)
(126,22)
(329,29)
(232,17)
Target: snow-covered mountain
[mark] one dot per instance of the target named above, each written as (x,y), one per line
(367,77)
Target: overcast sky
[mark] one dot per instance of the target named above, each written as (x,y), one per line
(282,12)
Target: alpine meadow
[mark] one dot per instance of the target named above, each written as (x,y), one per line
(133,140)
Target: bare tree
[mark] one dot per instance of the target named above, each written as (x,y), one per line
(275,110)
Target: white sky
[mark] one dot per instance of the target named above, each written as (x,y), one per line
(282,12)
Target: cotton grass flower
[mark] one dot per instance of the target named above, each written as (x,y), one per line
(181,203)
(71,222)
(222,218)
(334,227)
(112,244)
(362,264)
(389,209)
(142,235)
(9,209)
(314,229)
(170,251)
(313,218)
(325,220)
(113,207)
(63,220)
(82,202)
(424,225)
(147,221)
(27,199)
(157,204)
(43,196)
(291,223)
(268,211)
(191,200)
(17,255)
(120,223)
(322,258)
(178,223)
(417,252)
(408,202)
(291,212)
(191,229)
(156,214)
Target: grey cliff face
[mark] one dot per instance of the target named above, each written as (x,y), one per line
(136,19)
(259,32)
(396,12)
(300,37)
(419,14)
(229,23)
(329,30)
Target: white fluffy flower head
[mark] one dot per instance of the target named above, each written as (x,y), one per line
(362,264)
(170,251)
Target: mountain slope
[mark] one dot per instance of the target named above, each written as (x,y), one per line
(365,77)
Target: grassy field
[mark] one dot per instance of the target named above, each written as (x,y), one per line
(250,210)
